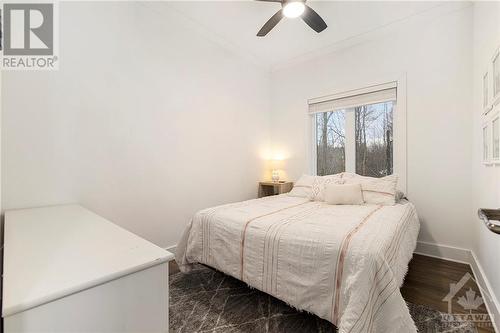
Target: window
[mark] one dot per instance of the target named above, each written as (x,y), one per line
(355,132)
(373,132)
(330,142)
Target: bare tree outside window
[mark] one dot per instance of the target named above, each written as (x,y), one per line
(373,135)
(330,142)
(374,139)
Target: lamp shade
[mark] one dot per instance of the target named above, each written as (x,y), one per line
(277,164)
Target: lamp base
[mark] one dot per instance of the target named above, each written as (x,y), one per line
(275,176)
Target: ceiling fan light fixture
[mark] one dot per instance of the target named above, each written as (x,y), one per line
(293,9)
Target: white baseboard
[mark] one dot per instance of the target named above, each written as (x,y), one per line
(490,300)
(467,257)
(443,252)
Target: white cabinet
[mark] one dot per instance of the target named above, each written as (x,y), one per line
(67,269)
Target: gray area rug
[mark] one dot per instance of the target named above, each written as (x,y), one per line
(205,300)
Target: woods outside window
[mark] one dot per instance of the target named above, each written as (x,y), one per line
(355,132)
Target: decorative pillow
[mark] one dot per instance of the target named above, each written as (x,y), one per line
(303,187)
(379,191)
(344,194)
(320,183)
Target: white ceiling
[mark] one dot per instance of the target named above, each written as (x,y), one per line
(237,22)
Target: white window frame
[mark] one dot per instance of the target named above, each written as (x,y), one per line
(399,130)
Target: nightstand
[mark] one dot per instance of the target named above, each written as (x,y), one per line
(274,188)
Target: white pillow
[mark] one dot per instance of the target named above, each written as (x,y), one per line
(303,187)
(379,191)
(321,182)
(344,194)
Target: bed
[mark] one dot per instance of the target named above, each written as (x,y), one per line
(344,263)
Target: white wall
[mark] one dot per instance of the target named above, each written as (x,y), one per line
(486,179)
(146,122)
(435,53)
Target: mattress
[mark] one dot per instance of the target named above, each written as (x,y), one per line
(343,263)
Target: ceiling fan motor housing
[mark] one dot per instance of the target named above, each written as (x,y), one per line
(293,9)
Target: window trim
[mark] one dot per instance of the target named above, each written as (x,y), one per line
(354,92)
(399,129)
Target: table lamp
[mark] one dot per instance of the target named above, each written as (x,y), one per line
(276,165)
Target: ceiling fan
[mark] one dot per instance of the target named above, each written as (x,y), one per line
(293,9)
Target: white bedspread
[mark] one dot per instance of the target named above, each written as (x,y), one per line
(342,263)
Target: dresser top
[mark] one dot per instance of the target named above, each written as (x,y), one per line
(52,252)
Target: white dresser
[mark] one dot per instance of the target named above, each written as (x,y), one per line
(67,269)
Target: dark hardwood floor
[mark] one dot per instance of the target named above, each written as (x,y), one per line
(428,282)
(172,267)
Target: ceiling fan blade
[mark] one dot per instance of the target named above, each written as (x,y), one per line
(271,23)
(313,19)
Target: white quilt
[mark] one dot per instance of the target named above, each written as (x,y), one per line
(342,263)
